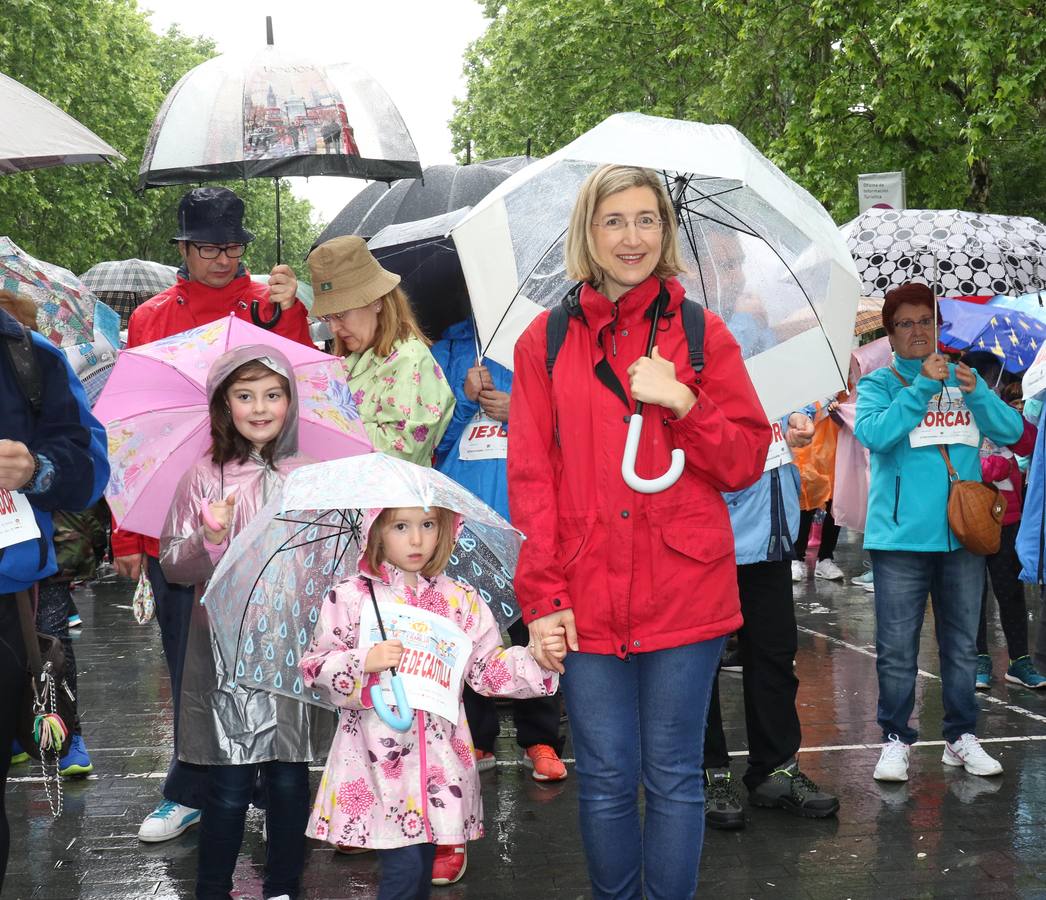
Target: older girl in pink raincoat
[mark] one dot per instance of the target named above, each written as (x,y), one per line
(403,793)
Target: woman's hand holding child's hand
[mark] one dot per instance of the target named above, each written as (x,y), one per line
(385,655)
(220,515)
(553,645)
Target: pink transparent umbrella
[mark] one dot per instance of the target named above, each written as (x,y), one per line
(154,408)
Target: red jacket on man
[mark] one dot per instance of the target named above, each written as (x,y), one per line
(188,304)
(641,572)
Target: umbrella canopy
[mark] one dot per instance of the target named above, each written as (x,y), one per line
(64,305)
(132,276)
(264,595)
(957,253)
(1012,337)
(758,249)
(93,361)
(37,134)
(155,411)
(271,114)
(440,190)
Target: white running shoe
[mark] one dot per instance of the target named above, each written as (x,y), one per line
(827,569)
(968,753)
(798,570)
(893,761)
(167,821)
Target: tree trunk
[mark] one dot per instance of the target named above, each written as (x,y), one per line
(980,185)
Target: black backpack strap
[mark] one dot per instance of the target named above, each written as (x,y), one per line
(27,370)
(694,327)
(557,323)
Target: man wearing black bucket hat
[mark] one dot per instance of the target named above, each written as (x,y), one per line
(212,282)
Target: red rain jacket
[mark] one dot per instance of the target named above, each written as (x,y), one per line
(188,304)
(641,572)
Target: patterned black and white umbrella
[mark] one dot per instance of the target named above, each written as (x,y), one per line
(957,253)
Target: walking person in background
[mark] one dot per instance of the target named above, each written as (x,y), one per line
(816,463)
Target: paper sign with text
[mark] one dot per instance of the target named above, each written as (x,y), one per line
(484,438)
(947,421)
(779,454)
(17,522)
(435,652)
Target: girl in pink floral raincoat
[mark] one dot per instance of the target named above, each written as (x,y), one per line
(402,793)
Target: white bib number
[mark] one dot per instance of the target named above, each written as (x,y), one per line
(17,522)
(947,421)
(484,438)
(779,454)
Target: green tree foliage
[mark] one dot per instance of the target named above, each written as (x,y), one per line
(100,61)
(951,91)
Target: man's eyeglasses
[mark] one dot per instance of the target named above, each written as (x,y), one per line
(645,222)
(909,324)
(213,251)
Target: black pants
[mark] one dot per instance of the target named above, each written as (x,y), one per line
(52,617)
(406,872)
(829,533)
(537,719)
(1004,568)
(12,687)
(185,783)
(767,643)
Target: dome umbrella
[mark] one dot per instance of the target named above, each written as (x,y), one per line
(124,284)
(441,189)
(269,115)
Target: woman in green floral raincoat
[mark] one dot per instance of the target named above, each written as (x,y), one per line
(399,389)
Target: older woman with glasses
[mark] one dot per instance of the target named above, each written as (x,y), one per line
(403,399)
(644,585)
(910,416)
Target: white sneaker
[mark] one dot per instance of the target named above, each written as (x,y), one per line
(167,821)
(798,570)
(826,568)
(893,761)
(281,897)
(968,753)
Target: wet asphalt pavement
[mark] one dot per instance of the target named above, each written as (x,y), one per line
(943,834)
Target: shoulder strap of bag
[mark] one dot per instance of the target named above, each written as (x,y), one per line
(694,326)
(28,622)
(952,474)
(27,370)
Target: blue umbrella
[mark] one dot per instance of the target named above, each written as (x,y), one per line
(1012,336)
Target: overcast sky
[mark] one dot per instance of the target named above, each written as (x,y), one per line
(413,47)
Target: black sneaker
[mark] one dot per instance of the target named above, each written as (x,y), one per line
(723,808)
(731,662)
(789,789)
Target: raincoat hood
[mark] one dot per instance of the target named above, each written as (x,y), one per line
(227,363)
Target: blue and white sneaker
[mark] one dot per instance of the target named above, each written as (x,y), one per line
(167,821)
(76,761)
(1021,671)
(864,580)
(984,672)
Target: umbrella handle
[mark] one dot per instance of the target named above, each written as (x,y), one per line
(401,721)
(628,462)
(208,518)
(256,318)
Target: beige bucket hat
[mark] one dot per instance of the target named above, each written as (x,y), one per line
(346,276)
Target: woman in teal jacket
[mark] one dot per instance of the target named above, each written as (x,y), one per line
(905,413)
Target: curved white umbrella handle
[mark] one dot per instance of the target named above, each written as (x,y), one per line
(628,462)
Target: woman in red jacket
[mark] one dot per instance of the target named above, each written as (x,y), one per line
(644,585)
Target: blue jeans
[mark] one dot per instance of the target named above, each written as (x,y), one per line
(406,872)
(641,718)
(902,581)
(186,783)
(221,827)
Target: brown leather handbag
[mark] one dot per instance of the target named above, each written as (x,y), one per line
(975,509)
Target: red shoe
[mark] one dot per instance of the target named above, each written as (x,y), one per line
(485,761)
(545,762)
(449,864)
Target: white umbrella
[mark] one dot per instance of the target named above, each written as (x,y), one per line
(37,134)
(758,247)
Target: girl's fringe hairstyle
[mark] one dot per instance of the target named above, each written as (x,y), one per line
(580,250)
(227,444)
(440,556)
(396,322)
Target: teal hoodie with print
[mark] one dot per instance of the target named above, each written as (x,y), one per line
(908,488)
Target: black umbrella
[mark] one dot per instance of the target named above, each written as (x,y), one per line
(441,189)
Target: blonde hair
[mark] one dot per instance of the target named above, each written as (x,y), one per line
(22,308)
(605,181)
(396,322)
(375,555)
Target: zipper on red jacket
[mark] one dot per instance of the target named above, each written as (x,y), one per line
(423,758)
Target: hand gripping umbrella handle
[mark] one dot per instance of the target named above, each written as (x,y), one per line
(628,462)
(401,721)
(256,318)
(208,517)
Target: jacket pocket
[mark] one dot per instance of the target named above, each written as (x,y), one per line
(896,497)
(699,543)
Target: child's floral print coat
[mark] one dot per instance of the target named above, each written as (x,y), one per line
(384,788)
(404,401)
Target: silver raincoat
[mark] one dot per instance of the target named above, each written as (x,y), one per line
(220,724)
